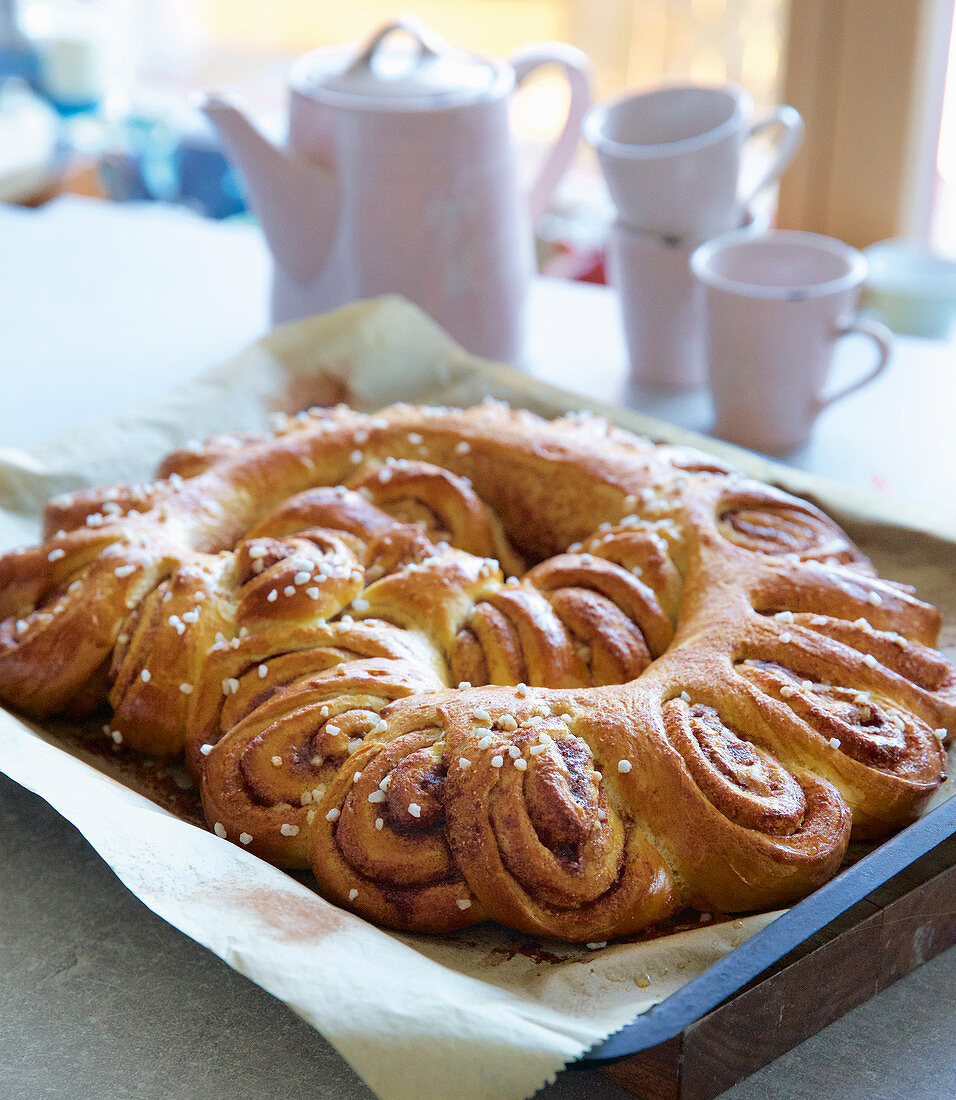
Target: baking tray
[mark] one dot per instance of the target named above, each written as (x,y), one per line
(728,976)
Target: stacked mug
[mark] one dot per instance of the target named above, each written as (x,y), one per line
(671,158)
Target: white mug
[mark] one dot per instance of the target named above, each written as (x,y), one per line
(774,308)
(671,156)
(662,304)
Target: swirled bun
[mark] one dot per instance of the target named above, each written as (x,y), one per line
(472,665)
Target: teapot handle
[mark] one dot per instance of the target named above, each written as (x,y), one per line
(577,69)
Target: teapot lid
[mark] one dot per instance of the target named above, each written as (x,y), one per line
(426,68)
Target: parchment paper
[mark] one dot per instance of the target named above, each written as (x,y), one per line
(482,1013)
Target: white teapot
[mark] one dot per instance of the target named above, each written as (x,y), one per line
(400,176)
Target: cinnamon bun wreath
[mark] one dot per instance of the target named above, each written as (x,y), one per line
(472,665)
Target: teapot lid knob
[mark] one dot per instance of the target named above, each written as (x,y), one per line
(427,68)
(430,43)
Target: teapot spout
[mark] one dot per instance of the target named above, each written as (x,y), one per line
(296,200)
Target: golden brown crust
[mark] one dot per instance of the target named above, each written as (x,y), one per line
(337,623)
(267,774)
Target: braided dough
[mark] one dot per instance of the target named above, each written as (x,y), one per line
(473,664)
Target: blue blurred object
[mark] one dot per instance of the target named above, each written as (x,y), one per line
(207,180)
(18,58)
(171,157)
(162,151)
(22,63)
(73,107)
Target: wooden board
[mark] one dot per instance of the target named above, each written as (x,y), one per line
(892,931)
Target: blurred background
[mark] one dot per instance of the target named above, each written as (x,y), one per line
(94,96)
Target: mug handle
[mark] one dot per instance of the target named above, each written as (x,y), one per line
(577,69)
(881,336)
(790,122)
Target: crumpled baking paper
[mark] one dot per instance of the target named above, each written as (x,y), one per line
(484,1013)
